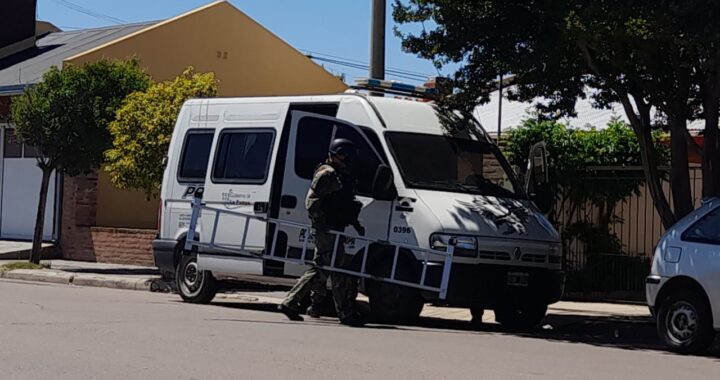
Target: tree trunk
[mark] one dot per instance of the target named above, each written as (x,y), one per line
(679,169)
(36,253)
(641,125)
(652,177)
(711,148)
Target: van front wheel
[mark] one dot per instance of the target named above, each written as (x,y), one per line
(194,285)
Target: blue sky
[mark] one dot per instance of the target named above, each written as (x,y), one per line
(336,27)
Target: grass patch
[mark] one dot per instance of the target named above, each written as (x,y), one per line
(22,265)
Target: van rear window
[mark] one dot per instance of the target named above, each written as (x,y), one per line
(195,156)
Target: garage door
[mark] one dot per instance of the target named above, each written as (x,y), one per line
(21,191)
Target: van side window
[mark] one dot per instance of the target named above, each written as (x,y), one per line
(313,141)
(706,230)
(311,146)
(195,156)
(243,156)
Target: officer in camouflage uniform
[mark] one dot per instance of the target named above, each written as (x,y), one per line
(331,205)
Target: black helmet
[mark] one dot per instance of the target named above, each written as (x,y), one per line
(343,147)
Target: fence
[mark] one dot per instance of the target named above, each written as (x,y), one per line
(614,265)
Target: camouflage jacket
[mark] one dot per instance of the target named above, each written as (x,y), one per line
(331,200)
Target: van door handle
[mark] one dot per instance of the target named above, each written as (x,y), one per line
(288,201)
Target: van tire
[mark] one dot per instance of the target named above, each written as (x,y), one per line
(521,317)
(390,303)
(677,315)
(195,286)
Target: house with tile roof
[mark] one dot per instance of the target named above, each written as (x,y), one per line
(88,216)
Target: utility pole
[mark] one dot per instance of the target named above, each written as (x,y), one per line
(377,40)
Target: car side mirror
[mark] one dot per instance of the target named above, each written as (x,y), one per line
(383,187)
(537,182)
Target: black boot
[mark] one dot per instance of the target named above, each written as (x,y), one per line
(313,311)
(292,314)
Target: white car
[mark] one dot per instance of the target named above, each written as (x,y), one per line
(683,289)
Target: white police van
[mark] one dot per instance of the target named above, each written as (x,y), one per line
(440,184)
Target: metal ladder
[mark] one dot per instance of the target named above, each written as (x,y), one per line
(444,258)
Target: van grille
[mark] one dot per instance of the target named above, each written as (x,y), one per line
(533,258)
(495,255)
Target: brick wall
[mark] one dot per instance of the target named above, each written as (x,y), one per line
(81,239)
(78,215)
(4,109)
(123,245)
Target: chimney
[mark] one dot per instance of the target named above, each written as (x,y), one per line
(17,26)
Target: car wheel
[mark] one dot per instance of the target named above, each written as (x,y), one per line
(194,285)
(684,323)
(521,317)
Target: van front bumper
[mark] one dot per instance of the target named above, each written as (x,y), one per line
(488,286)
(164,255)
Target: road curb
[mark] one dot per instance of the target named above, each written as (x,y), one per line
(60,277)
(38,276)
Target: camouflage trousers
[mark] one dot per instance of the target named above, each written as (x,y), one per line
(314,280)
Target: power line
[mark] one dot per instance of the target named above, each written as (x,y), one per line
(80,9)
(361,67)
(395,69)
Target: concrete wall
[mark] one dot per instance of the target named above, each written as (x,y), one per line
(124,208)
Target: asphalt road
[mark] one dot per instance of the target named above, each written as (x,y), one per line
(67,332)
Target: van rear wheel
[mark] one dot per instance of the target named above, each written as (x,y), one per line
(194,285)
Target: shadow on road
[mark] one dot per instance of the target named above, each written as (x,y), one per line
(622,332)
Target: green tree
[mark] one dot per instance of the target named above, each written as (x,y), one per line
(574,156)
(66,116)
(643,54)
(143,127)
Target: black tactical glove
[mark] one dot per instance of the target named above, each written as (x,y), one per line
(359,228)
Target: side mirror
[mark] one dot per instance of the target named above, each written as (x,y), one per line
(383,188)
(537,182)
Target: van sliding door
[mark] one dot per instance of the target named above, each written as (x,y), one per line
(310,137)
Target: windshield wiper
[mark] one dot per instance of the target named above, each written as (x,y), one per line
(447,184)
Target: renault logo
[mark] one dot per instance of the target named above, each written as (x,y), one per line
(517,253)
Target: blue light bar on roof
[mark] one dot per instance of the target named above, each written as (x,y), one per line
(394,86)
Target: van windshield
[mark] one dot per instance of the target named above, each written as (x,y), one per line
(438,162)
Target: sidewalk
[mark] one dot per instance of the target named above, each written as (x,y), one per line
(259,290)
(115,276)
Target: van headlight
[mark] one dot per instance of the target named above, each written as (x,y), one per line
(465,246)
(555,256)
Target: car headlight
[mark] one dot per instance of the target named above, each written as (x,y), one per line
(465,246)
